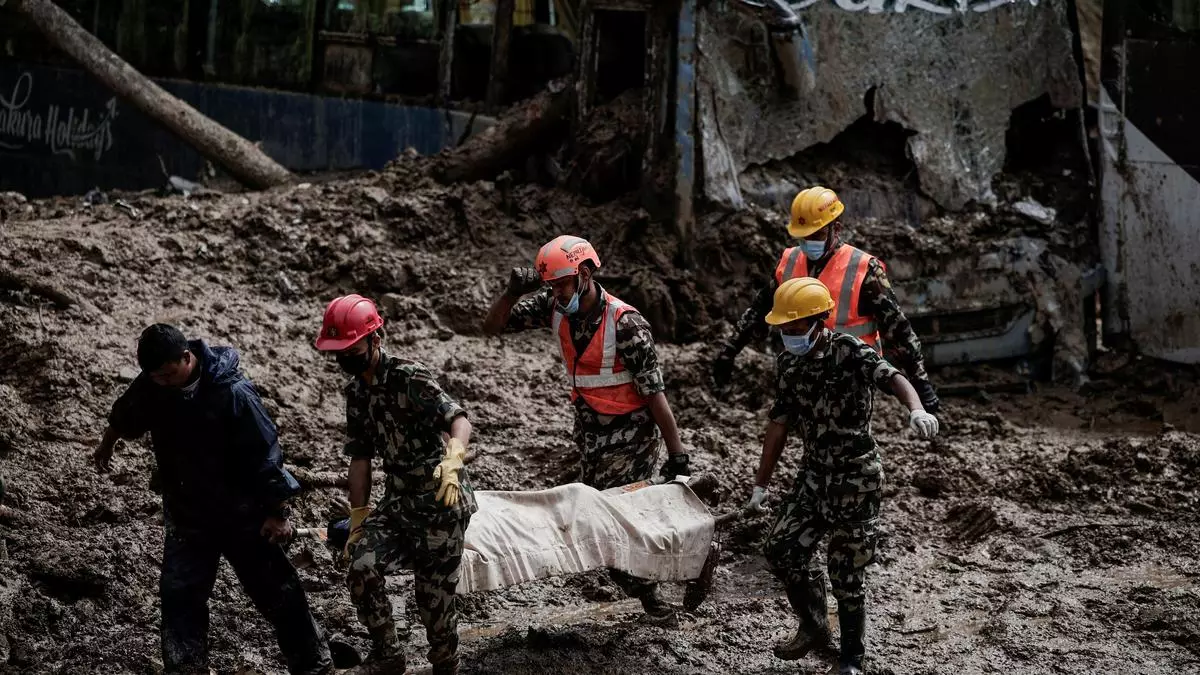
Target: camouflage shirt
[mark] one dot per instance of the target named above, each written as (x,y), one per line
(828,395)
(635,349)
(401,417)
(876,300)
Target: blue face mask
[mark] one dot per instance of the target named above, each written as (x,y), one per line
(813,250)
(800,344)
(573,305)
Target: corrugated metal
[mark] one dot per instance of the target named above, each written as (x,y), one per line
(1151,240)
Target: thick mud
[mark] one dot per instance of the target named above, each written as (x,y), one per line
(1045,532)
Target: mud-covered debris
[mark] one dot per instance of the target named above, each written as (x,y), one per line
(95,197)
(287,288)
(183,186)
(375,194)
(1040,460)
(970,522)
(1031,209)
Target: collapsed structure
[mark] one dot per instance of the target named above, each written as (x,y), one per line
(932,119)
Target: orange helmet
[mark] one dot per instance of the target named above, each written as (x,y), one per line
(561,257)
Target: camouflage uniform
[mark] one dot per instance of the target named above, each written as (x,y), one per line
(614,450)
(401,417)
(876,300)
(828,396)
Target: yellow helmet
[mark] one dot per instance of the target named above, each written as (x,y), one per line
(799,298)
(813,209)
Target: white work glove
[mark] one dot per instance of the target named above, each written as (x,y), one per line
(924,424)
(756,500)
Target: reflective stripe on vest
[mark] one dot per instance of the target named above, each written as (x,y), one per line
(608,354)
(843,275)
(790,265)
(609,391)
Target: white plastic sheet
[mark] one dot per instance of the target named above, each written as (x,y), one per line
(659,532)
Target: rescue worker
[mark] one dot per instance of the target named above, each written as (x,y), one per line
(397,412)
(867,305)
(621,412)
(826,383)
(224,493)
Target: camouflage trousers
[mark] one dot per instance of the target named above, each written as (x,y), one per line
(624,451)
(433,552)
(850,518)
(615,451)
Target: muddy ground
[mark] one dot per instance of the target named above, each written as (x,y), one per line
(1046,532)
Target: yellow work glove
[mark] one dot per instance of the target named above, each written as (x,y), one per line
(447,471)
(357,516)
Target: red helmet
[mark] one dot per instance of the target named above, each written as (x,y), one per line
(561,257)
(348,319)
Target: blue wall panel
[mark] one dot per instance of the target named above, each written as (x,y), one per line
(301,131)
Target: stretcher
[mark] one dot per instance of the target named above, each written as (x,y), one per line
(658,530)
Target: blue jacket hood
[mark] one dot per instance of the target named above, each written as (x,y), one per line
(221,365)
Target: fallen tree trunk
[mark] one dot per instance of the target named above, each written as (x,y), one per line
(537,125)
(235,154)
(11,281)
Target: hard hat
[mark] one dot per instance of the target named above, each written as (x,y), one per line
(561,257)
(799,298)
(813,209)
(348,319)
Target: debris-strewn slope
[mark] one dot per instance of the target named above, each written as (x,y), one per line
(1036,536)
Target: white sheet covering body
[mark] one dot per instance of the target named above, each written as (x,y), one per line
(659,532)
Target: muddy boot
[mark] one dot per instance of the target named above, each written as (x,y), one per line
(446,667)
(659,612)
(808,602)
(854,632)
(387,654)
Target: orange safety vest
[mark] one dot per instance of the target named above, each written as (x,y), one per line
(843,276)
(598,374)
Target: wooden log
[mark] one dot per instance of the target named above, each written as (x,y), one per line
(537,125)
(241,158)
(12,281)
(449,17)
(501,36)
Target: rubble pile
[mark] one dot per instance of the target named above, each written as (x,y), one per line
(979,568)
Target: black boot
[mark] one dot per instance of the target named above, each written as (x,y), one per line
(853,623)
(387,654)
(808,602)
(658,612)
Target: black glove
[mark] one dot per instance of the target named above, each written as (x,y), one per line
(522,281)
(676,465)
(722,368)
(929,397)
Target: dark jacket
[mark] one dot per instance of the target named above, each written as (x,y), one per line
(218,453)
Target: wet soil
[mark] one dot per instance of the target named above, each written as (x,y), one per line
(1041,533)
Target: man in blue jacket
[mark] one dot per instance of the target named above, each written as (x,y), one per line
(224,493)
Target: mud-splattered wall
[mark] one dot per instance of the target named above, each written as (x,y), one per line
(951,76)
